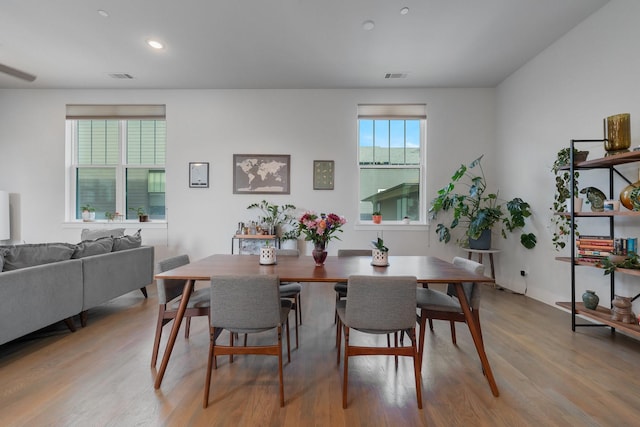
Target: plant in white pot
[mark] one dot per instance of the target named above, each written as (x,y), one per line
(477,210)
(380,253)
(88,212)
(274,216)
(289,239)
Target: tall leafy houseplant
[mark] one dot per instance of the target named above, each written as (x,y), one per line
(274,216)
(475,209)
(561,224)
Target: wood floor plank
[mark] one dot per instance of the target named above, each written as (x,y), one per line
(100,375)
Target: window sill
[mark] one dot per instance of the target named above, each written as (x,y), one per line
(100,224)
(395,226)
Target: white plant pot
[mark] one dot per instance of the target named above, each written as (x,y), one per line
(289,244)
(88,216)
(380,258)
(267,255)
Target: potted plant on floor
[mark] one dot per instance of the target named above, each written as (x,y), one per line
(477,210)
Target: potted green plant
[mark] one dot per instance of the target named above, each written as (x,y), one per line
(380,253)
(477,210)
(376,217)
(88,212)
(289,239)
(142,215)
(561,220)
(274,216)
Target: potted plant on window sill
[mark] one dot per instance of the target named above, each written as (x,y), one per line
(376,217)
(142,215)
(88,213)
(478,211)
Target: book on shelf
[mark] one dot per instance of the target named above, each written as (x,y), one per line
(586,246)
(592,253)
(608,242)
(596,237)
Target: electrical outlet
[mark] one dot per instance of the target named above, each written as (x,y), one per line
(523,273)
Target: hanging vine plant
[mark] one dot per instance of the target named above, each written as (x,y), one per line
(562,223)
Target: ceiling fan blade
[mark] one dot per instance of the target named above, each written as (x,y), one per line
(16,73)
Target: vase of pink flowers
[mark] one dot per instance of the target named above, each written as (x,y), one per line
(320,229)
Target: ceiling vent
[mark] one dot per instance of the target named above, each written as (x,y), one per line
(125,76)
(395,76)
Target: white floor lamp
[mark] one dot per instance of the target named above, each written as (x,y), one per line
(5,223)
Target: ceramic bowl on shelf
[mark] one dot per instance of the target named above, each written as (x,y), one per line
(616,258)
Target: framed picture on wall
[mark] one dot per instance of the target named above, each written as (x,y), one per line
(323,174)
(198,175)
(261,173)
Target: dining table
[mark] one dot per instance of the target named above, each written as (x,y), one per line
(426,269)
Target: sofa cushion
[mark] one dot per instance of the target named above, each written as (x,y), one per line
(93,247)
(3,251)
(28,255)
(96,234)
(127,242)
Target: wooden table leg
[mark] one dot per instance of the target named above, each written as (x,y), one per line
(477,339)
(493,271)
(186,294)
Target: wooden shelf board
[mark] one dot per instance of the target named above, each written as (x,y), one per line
(602,315)
(601,214)
(628,271)
(606,162)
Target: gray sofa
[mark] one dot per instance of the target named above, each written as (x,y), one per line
(35,296)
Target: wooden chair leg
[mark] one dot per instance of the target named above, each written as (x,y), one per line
(280,376)
(431,324)
(289,341)
(299,305)
(207,382)
(453,332)
(84,315)
(423,323)
(339,340)
(231,337)
(296,317)
(345,380)
(156,341)
(416,367)
(187,326)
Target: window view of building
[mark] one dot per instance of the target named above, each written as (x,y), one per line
(118,166)
(391,166)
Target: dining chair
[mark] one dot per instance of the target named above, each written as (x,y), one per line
(341,287)
(379,305)
(437,305)
(169,297)
(292,290)
(245,304)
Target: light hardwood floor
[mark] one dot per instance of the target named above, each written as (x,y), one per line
(100,375)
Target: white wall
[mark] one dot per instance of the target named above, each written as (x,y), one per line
(564,94)
(212,125)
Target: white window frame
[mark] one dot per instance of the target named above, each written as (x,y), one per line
(71,166)
(396,112)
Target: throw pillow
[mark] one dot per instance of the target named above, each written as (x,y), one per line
(28,255)
(96,234)
(93,247)
(127,242)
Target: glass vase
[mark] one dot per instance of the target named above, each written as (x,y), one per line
(319,253)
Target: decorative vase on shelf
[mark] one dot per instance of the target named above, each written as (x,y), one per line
(630,195)
(319,253)
(590,300)
(618,133)
(621,309)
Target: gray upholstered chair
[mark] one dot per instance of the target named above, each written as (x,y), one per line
(244,304)
(379,305)
(169,298)
(438,305)
(341,287)
(291,290)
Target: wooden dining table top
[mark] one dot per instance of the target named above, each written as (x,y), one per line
(426,269)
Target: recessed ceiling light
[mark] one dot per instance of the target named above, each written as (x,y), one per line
(404,11)
(103,13)
(368,25)
(155,44)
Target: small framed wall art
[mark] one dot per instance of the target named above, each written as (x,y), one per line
(323,174)
(199,175)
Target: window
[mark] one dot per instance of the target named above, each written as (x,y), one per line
(391,161)
(117,165)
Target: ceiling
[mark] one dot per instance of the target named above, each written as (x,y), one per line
(278,44)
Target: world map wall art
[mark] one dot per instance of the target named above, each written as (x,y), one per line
(261,173)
